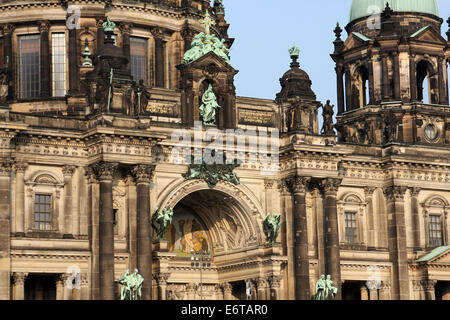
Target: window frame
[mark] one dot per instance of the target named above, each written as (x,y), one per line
(65,58)
(353,227)
(19,78)
(145,58)
(50,213)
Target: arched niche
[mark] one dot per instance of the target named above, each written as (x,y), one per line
(426,75)
(231,216)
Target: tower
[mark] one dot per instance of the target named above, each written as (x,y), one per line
(391,53)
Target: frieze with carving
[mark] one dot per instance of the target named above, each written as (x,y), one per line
(212,173)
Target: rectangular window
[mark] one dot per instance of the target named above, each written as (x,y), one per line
(435,230)
(138,49)
(59,64)
(350,227)
(29,60)
(42,212)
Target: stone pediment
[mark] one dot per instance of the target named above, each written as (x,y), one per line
(428,34)
(440,255)
(355,40)
(209,61)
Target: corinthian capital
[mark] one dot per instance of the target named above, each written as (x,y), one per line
(20,166)
(298,184)
(157,32)
(394,193)
(5,167)
(104,170)
(330,185)
(68,170)
(125,27)
(19,277)
(162,278)
(44,26)
(143,173)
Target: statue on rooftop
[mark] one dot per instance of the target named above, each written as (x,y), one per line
(327,113)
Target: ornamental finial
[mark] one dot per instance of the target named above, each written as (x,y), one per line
(109,26)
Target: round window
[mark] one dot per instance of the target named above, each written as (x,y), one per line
(431,132)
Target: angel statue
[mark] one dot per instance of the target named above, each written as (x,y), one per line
(160,220)
(209,107)
(271,227)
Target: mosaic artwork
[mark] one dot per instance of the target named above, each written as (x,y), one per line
(186,233)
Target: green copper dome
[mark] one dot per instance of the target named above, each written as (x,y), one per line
(364,8)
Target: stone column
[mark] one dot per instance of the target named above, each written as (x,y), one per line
(441,76)
(413,76)
(5,229)
(74,75)
(332,256)
(340,88)
(8,30)
(262,288)
(364,293)
(227,291)
(161,279)
(67,286)
(385,77)
(368,191)
(429,289)
(19,285)
(68,172)
(371,81)
(125,28)
(275,285)
(160,63)
(348,90)
(300,226)
(105,172)
(84,289)
(45,89)
(416,218)
(373,293)
(396,67)
(93,218)
(60,287)
(191,289)
(143,174)
(397,241)
(385,290)
(100,32)
(19,216)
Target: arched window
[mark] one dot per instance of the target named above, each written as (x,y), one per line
(352,219)
(427,88)
(435,210)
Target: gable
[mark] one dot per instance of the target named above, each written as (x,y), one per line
(355,40)
(211,59)
(428,34)
(437,256)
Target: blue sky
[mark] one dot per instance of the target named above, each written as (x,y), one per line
(265,30)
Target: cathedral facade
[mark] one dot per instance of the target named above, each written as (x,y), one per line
(117,114)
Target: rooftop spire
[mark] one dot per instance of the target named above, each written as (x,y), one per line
(295,53)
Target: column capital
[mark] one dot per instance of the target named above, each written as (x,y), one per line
(68,171)
(44,25)
(157,32)
(330,185)
(429,284)
(8,28)
(298,184)
(125,27)
(99,20)
(90,174)
(226,287)
(274,281)
(368,191)
(5,167)
(268,184)
(261,282)
(20,277)
(162,277)
(104,170)
(191,287)
(394,193)
(415,191)
(143,173)
(20,166)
